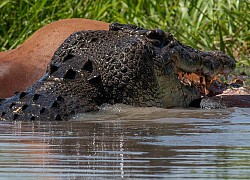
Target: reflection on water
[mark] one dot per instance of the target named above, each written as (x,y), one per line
(125,142)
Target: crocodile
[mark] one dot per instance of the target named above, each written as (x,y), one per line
(125,64)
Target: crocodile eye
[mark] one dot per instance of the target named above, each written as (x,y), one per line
(157,37)
(155,34)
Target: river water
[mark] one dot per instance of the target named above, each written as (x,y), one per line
(127,142)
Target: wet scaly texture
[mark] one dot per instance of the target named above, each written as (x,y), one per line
(126,64)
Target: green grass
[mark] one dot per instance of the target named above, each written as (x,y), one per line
(211,24)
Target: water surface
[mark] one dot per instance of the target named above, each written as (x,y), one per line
(126,142)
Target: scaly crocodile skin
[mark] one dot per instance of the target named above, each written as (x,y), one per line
(126,64)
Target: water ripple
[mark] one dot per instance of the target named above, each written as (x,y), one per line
(201,144)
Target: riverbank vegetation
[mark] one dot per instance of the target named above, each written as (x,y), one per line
(222,25)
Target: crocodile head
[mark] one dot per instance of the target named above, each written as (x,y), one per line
(126,64)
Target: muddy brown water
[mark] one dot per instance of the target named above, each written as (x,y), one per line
(131,143)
